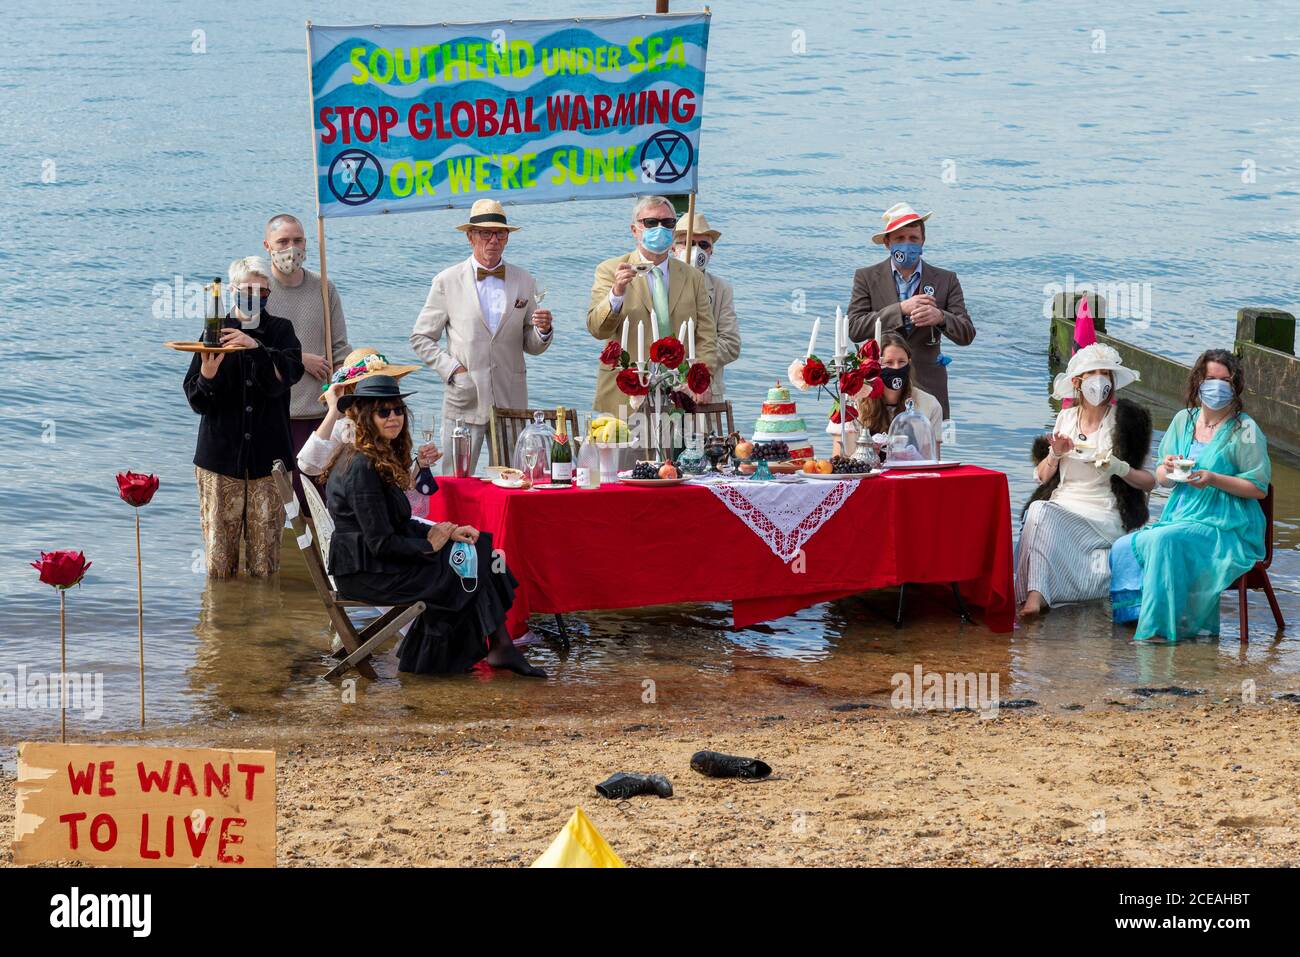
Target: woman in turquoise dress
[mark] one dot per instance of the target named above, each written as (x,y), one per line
(1167,576)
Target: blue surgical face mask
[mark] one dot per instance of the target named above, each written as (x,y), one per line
(905,255)
(464,562)
(657,240)
(1216,393)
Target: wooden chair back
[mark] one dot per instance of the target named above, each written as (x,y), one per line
(320,520)
(718,418)
(506,425)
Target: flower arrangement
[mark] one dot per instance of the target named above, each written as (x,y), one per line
(850,377)
(668,376)
(371,363)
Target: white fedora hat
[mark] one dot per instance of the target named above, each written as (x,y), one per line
(896,217)
(486,214)
(1090,359)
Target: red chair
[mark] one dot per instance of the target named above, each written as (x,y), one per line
(1257,577)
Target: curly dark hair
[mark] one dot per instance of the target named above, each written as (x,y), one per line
(1192,400)
(391,459)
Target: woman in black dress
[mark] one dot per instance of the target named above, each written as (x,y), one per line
(379,554)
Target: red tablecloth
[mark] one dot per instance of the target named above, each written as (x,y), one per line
(623,546)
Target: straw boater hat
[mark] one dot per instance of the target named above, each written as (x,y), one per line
(701,228)
(1089,359)
(896,217)
(362,364)
(486,214)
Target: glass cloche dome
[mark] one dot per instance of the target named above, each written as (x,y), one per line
(911,439)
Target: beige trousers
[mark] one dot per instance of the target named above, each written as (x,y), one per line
(235,510)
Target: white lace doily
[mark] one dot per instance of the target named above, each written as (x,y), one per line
(784,515)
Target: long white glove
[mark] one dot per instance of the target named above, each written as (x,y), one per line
(1110,465)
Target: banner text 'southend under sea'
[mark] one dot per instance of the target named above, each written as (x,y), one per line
(526,111)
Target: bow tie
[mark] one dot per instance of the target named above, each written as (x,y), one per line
(499,272)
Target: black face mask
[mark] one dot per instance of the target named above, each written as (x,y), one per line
(894,378)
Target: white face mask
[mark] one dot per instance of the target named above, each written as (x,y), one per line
(701,257)
(288,260)
(1096,389)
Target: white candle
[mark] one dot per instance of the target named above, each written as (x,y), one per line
(640,343)
(812,340)
(841,333)
(879,341)
(624,340)
(690,338)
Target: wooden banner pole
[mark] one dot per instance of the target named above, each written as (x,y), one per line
(320,220)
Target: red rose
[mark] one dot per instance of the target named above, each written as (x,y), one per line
(683,400)
(876,389)
(851,382)
(870,368)
(698,378)
(870,350)
(136,488)
(667,351)
(814,373)
(629,383)
(62,569)
(612,353)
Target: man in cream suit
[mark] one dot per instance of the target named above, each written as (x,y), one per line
(626,288)
(488,309)
(721,298)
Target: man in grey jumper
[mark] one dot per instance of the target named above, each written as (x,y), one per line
(296,296)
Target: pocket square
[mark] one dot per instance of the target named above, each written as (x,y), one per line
(521,303)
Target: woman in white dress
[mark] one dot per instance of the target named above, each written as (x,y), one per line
(1093,485)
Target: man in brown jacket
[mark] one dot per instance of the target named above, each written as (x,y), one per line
(917,300)
(626,288)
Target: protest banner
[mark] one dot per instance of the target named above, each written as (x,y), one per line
(144,807)
(527,111)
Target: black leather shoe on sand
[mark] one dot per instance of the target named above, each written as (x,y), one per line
(715,765)
(623,785)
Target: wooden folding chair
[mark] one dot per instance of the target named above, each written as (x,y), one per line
(505,425)
(1257,577)
(716,415)
(360,645)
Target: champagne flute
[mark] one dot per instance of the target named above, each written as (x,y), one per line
(539,293)
(532,454)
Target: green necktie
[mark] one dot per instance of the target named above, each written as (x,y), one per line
(659,297)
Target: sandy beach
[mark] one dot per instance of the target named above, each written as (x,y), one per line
(1158,783)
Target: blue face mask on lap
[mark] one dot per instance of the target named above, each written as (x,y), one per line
(464,562)
(906,255)
(1215,393)
(657,240)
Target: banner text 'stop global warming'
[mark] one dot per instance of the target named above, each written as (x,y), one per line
(532,111)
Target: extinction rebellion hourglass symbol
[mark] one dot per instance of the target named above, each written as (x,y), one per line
(355,177)
(667,156)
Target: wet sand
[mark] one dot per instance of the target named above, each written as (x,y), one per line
(1162,781)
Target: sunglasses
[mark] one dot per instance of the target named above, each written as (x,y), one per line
(384,411)
(651,222)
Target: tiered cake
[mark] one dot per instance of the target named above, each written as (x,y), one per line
(779,422)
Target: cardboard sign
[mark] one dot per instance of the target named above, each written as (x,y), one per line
(144,807)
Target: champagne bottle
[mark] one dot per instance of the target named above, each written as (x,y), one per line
(212,321)
(561,452)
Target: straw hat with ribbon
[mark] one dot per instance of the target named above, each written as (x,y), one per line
(702,228)
(1090,359)
(487,214)
(896,217)
(362,364)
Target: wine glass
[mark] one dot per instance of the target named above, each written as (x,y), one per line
(429,432)
(539,293)
(532,455)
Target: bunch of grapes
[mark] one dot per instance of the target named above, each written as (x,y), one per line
(774,451)
(842,466)
(646,470)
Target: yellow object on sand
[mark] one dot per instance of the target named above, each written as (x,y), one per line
(579,844)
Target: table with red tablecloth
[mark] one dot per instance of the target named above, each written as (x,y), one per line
(623,546)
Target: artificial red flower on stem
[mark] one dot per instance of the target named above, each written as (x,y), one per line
(667,351)
(136,488)
(698,379)
(612,353)
(870,350)
(814,372)
(629,383)
(62,569)
(852,382)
